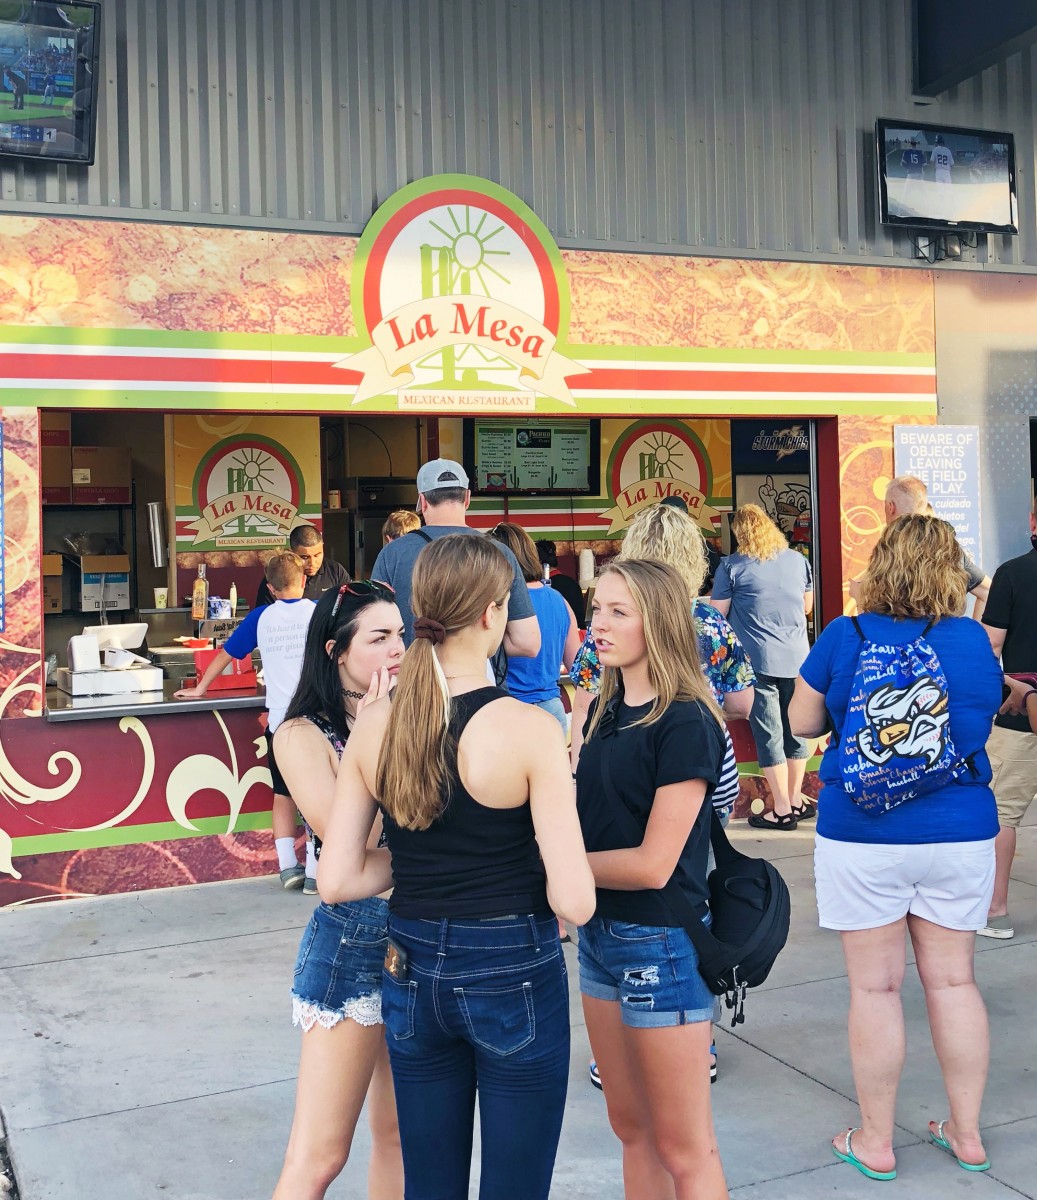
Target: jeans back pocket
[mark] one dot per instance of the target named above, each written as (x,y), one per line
(501,1020)
(398,1000)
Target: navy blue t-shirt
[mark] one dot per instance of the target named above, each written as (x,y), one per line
(962,811)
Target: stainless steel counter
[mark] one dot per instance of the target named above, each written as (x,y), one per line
(63,707)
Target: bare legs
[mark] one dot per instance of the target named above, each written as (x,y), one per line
(957,1019)
(658,1105)
(338,1067)
(282,817)
(1004,853)
(786,782)
(875,963)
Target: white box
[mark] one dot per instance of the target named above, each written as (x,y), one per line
(110,682)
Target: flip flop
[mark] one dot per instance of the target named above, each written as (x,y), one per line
(938,1139)
(854,1161)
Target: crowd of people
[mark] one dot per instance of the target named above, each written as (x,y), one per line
(462,820)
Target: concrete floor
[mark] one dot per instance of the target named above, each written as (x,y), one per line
(146,1050)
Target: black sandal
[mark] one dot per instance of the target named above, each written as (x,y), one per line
(783,821)
(805,811)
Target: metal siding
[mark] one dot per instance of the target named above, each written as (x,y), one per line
(725,126)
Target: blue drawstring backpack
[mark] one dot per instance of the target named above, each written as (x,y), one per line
(896,741)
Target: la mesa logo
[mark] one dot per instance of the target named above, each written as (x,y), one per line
(460,288)
(481,324)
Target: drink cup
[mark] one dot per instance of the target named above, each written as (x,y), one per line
(161,597)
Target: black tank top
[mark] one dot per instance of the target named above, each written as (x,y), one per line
(472,861)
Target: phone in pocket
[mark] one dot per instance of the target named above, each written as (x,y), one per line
(396,961)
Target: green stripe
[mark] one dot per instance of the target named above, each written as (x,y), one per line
(177,339)
(134,835)
(754,768)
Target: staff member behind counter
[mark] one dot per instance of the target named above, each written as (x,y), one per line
(322,574)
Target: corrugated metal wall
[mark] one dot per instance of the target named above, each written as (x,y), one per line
(730,126)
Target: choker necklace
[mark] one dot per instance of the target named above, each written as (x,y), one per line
(353,695)
(471,675)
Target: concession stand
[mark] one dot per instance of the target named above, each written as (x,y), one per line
(174,397)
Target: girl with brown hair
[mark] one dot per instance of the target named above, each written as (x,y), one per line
(483,842)
(535,680)
(655,746)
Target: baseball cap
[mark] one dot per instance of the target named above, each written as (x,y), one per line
(675,502)
(441,473)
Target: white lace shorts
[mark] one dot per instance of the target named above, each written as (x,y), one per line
(338,972)
(864,886)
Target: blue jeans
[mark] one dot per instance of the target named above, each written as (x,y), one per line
(484,1008)
(557,710)
(769,722)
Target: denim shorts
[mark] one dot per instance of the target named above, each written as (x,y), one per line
(338,973)
(769,722)
(652,970)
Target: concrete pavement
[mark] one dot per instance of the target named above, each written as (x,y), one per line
(146,1050)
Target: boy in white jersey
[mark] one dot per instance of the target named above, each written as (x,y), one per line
(278,630)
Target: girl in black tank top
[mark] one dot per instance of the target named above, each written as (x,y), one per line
(483,840)
(336,993)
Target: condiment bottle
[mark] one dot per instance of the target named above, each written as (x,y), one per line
(200,596)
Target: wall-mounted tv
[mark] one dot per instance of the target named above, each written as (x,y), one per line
(943,178)
(49,79)
(535,456)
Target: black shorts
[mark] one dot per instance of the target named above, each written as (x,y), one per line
(276,778)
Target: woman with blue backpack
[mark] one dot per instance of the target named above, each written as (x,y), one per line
(906,825)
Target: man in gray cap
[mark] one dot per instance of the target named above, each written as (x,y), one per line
(443,499)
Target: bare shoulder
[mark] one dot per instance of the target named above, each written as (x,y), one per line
(298,732)
(514,717)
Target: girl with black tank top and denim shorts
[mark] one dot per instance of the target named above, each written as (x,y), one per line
(483,849)
(354,647)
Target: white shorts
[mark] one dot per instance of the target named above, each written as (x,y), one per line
(863,886)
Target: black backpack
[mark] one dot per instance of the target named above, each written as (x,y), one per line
(748,900)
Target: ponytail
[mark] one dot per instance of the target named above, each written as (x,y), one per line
(455,580)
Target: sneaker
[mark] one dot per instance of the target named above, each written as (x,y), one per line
(713,1063)
(595,1076)
(309,887)
(998,927)
(292,877)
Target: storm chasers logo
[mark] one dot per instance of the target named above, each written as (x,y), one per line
(909,722)
(462,293)
(248,493)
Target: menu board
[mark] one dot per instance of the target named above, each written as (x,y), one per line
(539,455)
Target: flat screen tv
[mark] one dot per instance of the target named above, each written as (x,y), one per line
(49,79)
(939,177)
(536,456)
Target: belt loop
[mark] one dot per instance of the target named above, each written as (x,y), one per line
(535,932)
(444,930)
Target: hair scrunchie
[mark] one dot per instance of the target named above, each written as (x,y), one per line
(426,627)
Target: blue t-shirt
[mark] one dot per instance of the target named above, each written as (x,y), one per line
(767,608)
(395,566)
(962,811)
(536,679)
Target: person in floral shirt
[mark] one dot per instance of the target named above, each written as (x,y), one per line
(667,533)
